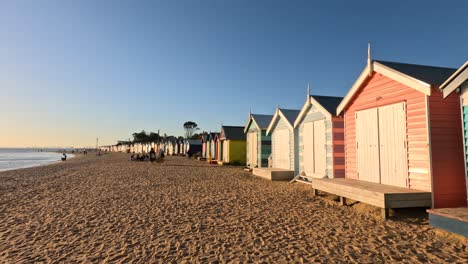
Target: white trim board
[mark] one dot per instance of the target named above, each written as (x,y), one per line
(455,81)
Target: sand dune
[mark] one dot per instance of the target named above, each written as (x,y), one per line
(109,210)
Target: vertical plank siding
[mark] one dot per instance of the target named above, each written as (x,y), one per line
(377,91)
(293,142)
(334,134)
(447,151)
(263,145)
(312,115)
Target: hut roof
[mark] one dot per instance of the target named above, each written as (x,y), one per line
(289,114)
(429,74)
(232,133)
(262,120)
(330,103)
(325,104)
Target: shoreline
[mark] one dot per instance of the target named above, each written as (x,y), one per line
(69,157)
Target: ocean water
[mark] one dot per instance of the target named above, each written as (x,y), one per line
(24,158)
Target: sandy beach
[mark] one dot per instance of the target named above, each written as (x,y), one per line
(110,210)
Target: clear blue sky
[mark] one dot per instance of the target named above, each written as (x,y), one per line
(71,71)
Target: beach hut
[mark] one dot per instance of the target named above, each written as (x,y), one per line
(218,156)
(181,148)
(176,148)
(203,141)
(455,92)
(232,145)
(399,138)
(258,143)
(167,147)
(211,146)
(171,146)
(214,146)
(284,141)
(208,152)
(321,138)
(193,147)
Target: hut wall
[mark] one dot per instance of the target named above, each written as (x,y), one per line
(236,151)
(448,170)
(293,142)
(263,145)
(380,90)
(338,147)
(315,115)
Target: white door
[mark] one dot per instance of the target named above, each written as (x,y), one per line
(367,142)
(320,152)
(308,148)
(282,149)
(392,138)
(254,155)
(253,149)
(225,148)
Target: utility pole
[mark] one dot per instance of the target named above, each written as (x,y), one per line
(97,142)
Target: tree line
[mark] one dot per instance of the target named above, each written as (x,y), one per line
(190,129)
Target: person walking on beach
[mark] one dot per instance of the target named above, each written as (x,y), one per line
(152,155)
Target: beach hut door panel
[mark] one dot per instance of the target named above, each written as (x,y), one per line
(253,149)
(308,151)
(392,138)
(381,145)
(367,142)
(314,152)
(320,157)
(281,156)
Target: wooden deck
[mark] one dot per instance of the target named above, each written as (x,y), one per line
(454,220)
(274,174)
(380,195)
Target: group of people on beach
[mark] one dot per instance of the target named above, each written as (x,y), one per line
(151,156)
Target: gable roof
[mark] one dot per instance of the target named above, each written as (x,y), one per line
(432,75)
(262,121)
(419,77)
(455,80)
(232,133)
(325,104)
(330,103)
(289,115)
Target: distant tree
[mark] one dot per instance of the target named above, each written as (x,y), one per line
(180,138)
(153,137)
(140,137)
(190,127)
